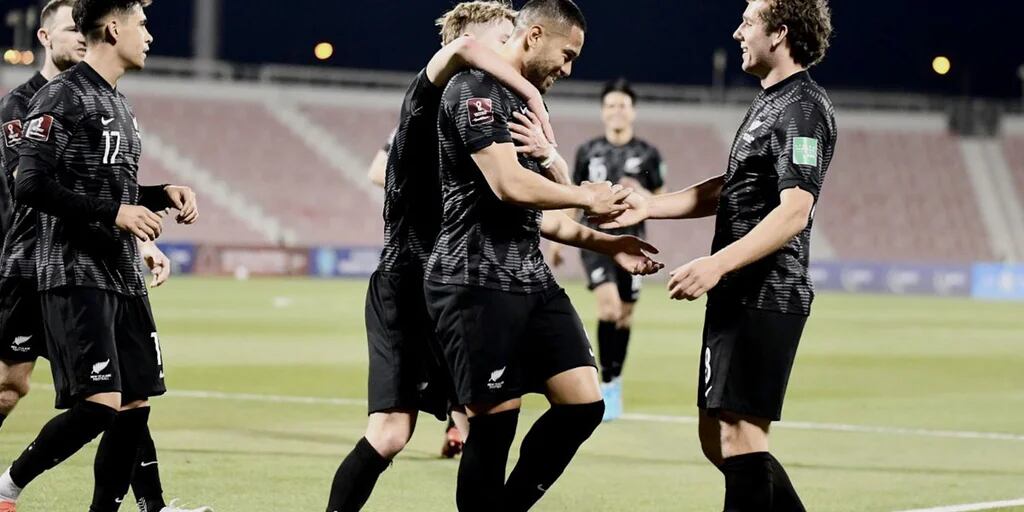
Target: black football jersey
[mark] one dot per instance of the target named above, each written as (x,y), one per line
(83,134)
(483,241)
(19,239)
(786,140)
(599,160)
(412,190)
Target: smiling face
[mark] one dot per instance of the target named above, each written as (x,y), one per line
(550,54)
(756,43)
(617,111)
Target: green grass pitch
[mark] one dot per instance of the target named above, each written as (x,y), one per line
(918,364)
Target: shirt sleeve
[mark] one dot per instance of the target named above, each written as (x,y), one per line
(799,142)
(479,108)
(54,115)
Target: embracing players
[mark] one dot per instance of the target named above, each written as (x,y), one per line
(620,157)
(77,193)
(759,290)
(505,326)
(406,373)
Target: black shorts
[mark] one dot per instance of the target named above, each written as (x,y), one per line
(499,345)
(746,360)
(101,342)
(406,371)
(21,321)
(601,269)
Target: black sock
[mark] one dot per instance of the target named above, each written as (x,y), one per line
(115,459)
(785,498)
(356,477)
(2,418)
(548,448)
(149,494)
(748,482)
(622,336)
(607,349)
(484,456)
(60,438)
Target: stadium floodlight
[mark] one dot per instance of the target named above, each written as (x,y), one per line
(12,56)
(28,57)
(323,51)
(941,65)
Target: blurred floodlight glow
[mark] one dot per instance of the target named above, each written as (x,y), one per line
(324,51)
(941,65)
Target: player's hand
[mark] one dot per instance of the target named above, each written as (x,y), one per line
(556,256)
(529,137)
(537,107)
(158,262)
(639,211)
(631,253)
(605,199)
(184,200)
(693,280)
(139,221)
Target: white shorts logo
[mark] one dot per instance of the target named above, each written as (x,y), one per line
(99,367)
(496,381)
(598,275)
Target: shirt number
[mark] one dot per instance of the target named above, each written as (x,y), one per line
(108,136)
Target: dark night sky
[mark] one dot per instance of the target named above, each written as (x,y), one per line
(879,44)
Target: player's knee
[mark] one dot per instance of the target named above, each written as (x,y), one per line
(15,388)
(389,436)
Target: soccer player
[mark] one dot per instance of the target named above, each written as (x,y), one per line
(619,156)
(22,338)
(78,168)
(505,327)
(405,375)
(759,290)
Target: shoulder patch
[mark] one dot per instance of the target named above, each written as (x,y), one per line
(805,151)
(12,133)
(39,128)
(481,111)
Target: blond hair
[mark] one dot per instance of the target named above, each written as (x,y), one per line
(454,22)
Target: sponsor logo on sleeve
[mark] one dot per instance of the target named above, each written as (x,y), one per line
(805,151)
(39,128)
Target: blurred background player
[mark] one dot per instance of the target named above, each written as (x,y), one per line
(620,157)
(757,279)
(406,373)
(99,326)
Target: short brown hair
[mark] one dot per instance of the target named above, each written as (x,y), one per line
(454,22)
(50,10)
(809,23)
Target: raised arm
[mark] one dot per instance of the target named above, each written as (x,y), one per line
(466,52)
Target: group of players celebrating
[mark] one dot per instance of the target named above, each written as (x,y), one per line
(463,315)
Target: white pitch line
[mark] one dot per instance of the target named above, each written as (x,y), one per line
(648,418)
(972,506)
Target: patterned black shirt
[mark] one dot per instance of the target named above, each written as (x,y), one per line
(412,202)
(19,241)
(483,242)
(600,160)
(786,140)
(82,134)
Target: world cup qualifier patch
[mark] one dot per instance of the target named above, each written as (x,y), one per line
(12,133)
(805,151)
(481,111)
(39,128)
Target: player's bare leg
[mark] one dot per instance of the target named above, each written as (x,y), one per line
(552,442)
(14,385)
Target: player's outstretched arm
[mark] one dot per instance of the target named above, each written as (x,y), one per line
(157,262)
(786,221)
(466,52)
(511,183)
(629,252)
(694,202)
